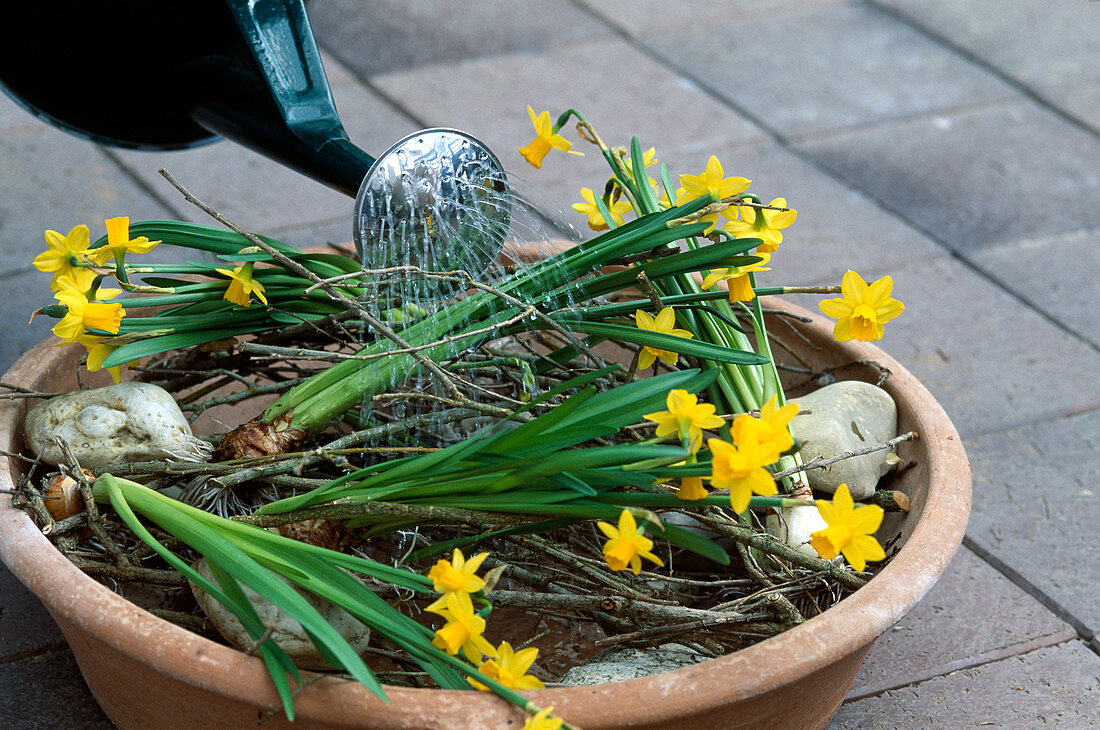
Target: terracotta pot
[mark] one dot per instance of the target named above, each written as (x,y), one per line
(147,672)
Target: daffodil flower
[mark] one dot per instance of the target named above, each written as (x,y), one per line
(510,668)
(463,629)
(771,428)
(119,242)
(596,220)
(850,530)
(740,469)
(691,489)
(862,310)
(83,314)
(98,350)
(737,279)
(458,574)
(686,416)
(625,547)
(664,322)
(242,286)
(61,253)
(546,137)
(760,223)
(711,182)
(542,721)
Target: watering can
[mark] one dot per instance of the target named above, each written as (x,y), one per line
(172,74)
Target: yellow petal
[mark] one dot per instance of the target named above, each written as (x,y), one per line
(853,287)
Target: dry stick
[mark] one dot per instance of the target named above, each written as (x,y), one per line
(820,463)
(415,512)
(18,391)
(348,303)
(618,606)
(251,392)
(746,536)
(91,510)
(297,353)
(130,573)
(764,628)
(650,291)
(579,564)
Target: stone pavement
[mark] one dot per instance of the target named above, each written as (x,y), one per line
(952,145)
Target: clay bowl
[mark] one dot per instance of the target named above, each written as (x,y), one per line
(146,672)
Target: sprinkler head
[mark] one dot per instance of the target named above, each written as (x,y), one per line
(438,199)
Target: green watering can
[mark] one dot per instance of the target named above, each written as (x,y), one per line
(172,74)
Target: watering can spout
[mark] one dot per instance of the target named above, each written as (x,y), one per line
(174,73)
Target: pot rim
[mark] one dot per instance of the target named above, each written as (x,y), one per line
(843,629)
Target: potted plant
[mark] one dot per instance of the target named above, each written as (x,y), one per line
(795,678)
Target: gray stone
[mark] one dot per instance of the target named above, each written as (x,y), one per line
(1051,43)
(1052,687)
(953,628)
(620,664)
(1057,274)
(45,692)
(1036,507)
(376,37)
(991,361)
(975,178)
(884,70)
(285,630)
(126,422)
(846,416)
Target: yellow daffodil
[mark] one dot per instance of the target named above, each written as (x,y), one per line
(510,668)
(62,252)
(862,310)
(626,547)
(98,350)
(458,574)
(711,182)
(242,286)
(595,218)
(740,469)
(737,279)
(84,314)
(760,223)
(546,137)
(543,721)
(649,158)
(665,322)
(685,416)
(771,428)
(463,629)
(850,530)
(119,241)
(691,489)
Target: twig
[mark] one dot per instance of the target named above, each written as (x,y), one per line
(765,628)
(90,507)
(130,573)
(618,606)
(819,462)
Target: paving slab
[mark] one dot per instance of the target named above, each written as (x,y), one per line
(972,616)
(47,692)
(22,293)
(25,627)
(1057,274)
(385,35)
(886,70)
(1041,44)
(1055,687)
(488,97)
(992,362)
(1036,507)
(1080,101)
(977,178)
(256,192)
(638,17)
(55,180)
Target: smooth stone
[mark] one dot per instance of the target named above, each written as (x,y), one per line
(285,631)
(123,422)
(846,416)
(619,664)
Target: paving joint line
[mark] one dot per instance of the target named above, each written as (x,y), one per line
(143,184)
(984,64)
(1017,579)
(18,656)
(971,662)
